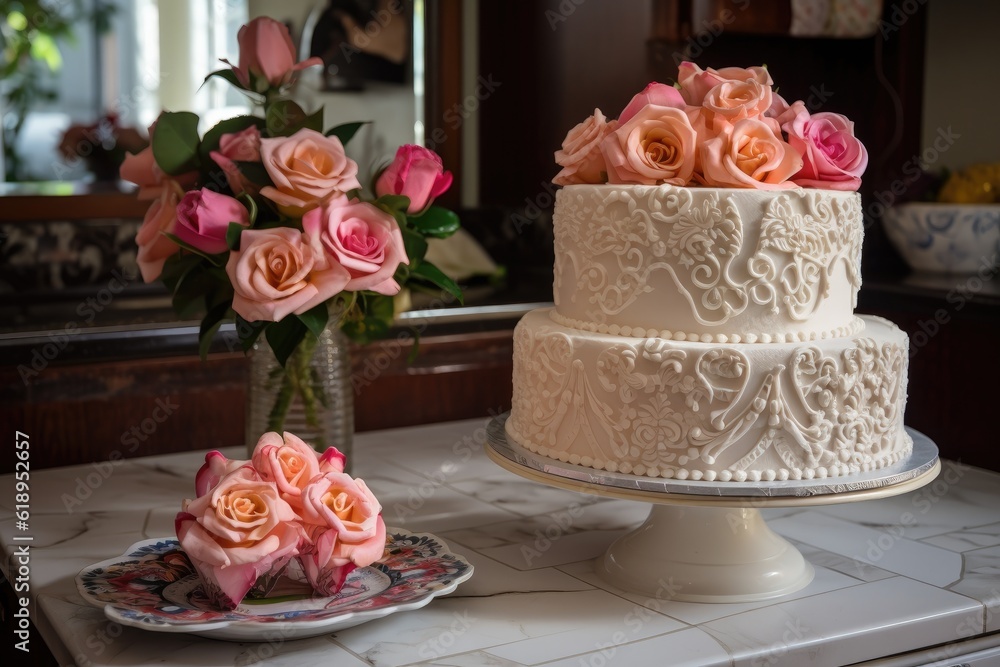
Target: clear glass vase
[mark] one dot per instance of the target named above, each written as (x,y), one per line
(311,396)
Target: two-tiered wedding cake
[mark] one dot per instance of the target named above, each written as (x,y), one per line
(704,322)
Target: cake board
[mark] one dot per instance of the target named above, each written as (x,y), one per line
(707,541)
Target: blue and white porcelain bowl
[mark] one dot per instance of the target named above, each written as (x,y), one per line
(945,238)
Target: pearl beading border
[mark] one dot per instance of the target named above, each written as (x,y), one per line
(855,327)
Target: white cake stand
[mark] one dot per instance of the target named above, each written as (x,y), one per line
(707,541)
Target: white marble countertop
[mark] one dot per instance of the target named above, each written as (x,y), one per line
(914,574)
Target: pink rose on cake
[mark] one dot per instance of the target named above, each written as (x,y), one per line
(655,93)
(832,156)
(344,527)
(286,461)
(237,532)
(580,156)
(747,154)
(656,146)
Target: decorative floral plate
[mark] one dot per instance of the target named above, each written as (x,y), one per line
(153,586)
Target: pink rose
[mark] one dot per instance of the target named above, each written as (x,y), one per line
(203,219)
(332,460)
(267,54)
(308,169)
(749,155)
(242,146)
(658,94)
(696,83)
(216,467)
(656,146)
(832,157)
(363,239)
(286,461)
(154,247)
(237,532)
(580,156)
(344,527)
(276,273)
(417,173)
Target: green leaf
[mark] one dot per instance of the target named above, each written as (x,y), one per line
(210,142)
(437,222)
(209,325)
(249,332)
(216,260)
(251,205)
(256,172)
(314,121)
(315,319)
(175,142)
(346,131)
(228,75)
(285,336)
(393,202)
(434,275)
(233,233)
(415,244)
(377,315)
(176,267)
(285,118)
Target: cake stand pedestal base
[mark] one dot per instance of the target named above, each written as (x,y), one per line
(705,554)
(707,541)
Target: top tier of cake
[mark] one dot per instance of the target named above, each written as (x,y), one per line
(708,264)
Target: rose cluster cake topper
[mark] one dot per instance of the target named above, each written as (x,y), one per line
(719,128)
(252,517)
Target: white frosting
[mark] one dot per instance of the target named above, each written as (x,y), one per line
(693,410)
(708,264)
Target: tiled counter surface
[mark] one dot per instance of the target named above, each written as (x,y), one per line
(917,572)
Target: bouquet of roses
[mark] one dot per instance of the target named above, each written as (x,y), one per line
(251,518)
(263,219)
(723,128)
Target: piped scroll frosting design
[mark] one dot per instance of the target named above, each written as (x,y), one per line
(778,269)
(659,408)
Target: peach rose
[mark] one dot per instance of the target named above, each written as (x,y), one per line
(308,169)
(275,273)
(832,157)
(363,239)
(242,146)
(580,156)
(154,247)
(656,146)
(287,461)
(216,467)
(237,532)
(747,154)
(268,54)
(696,83)
(344,527)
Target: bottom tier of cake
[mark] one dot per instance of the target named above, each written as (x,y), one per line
(710,411)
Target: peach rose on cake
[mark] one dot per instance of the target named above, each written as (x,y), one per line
(656,146)
(580,156)
(417,173)
(276,273)
(161,218)
(731,101)
(242,146)
(363,239)
(832,157)
(307,169)
(344,527)
(237,532)
(695,83)
(747,154)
